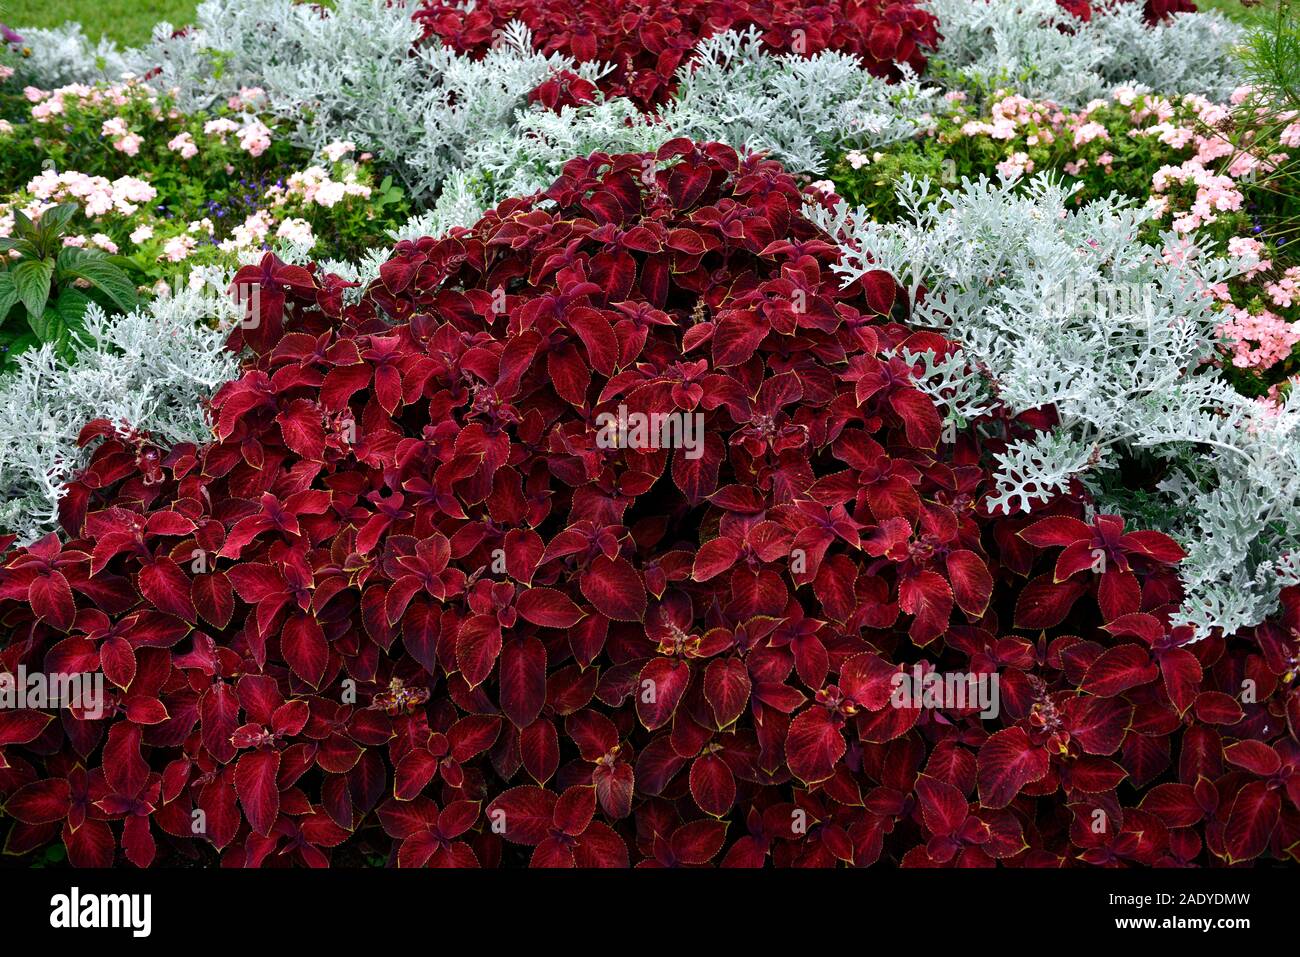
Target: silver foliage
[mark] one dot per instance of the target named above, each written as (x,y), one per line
(150,371)
(1064,307)
(1040,50)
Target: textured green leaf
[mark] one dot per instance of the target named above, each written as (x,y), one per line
(96,269)
(8,294)
(31,279)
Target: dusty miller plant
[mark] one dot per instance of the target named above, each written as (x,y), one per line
(733,91)
(1042,51)
(354,72)
(150,371)
(64,54)
(1064,307)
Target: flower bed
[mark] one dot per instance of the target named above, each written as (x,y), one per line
(730,434)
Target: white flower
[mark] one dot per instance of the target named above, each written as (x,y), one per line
(178,248)
(296,231)
(338,149)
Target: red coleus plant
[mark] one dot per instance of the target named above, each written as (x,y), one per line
(1154,11)
(646,46)
(437,593)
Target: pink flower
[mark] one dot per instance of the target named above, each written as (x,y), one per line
(1286,291)
(129,144)
(298,231)
(183,143)
(338,149)
(1092,130)
(220,127)
(330,193)
(1259,341)
(255,138)
(1017,164)
(178,248)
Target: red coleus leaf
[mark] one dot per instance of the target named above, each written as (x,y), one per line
(1255,756)
(523,680)
(255,784)
(659,689)
(21,727)
(1119,669)
(615,588)
(164,584)
(942,805)
(727,686)
(304,647)
(615,784)
(523,815)
(697,842)
(549,608)
(814,745)
(1251,821)
(478,643)
(1007,762)
(972,585)
(41,802)
(1044,603)
(713,786)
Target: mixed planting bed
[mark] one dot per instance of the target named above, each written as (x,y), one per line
(985,315)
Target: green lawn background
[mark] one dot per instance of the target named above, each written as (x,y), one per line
(129,22)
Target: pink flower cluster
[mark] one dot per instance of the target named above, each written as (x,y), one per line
(184,144)
(124,140)
(48,104)
(1258,341)
(253,135)
(1215,193)
(314,185)
(96,194)
(1286,291)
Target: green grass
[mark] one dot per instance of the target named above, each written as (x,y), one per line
(128,22)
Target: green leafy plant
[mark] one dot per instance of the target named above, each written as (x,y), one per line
(45,286)
(1271,59)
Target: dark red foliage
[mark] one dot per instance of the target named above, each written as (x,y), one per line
(408,603)
(646,45)
(1158,10)
(562,89)
(1154,11)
